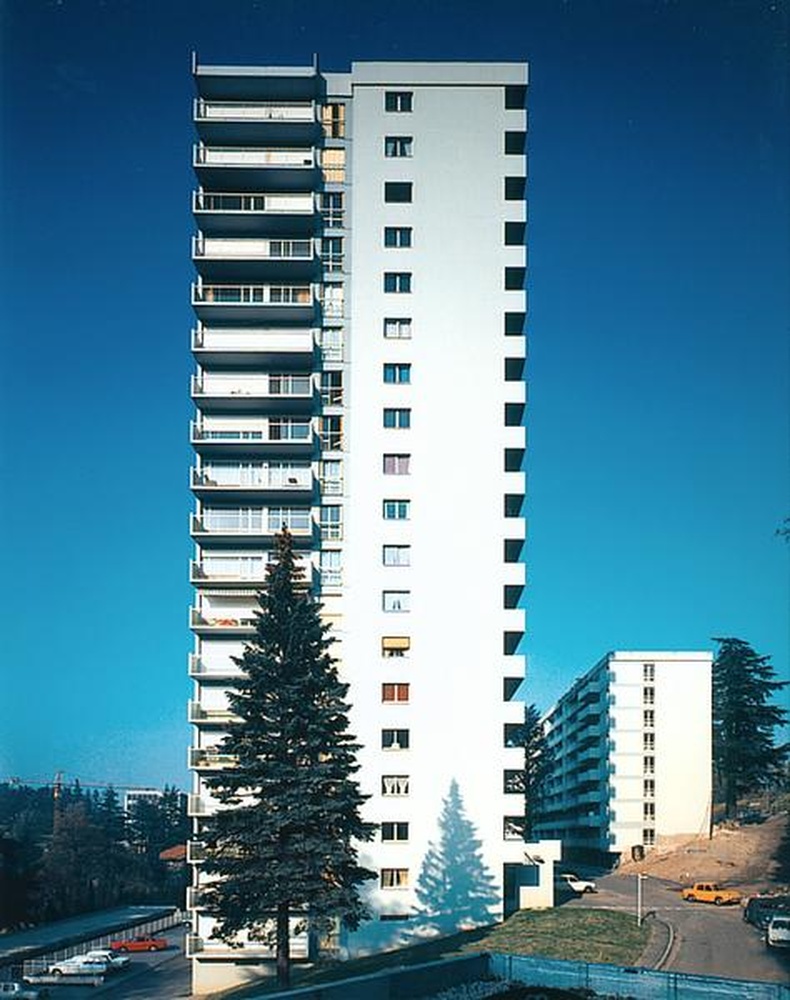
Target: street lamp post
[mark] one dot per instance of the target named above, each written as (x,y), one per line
(639,880)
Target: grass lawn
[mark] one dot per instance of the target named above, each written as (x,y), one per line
(576,934)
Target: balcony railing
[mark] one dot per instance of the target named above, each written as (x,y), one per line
(198,806)
(269,386)
(275,295)
(200,670)
(248,477)
(281,432)
(236,156)
(208,760)
(230,340)
(235,623)
(257,111)
(252,249)
(239,570)
(276,203)
(210,716)
(252,521)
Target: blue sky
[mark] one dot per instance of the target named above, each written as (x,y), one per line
(659,416)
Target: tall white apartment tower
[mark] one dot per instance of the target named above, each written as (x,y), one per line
(360,350)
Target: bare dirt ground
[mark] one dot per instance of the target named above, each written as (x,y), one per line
(752,857)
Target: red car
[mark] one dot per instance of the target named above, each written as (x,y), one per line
(140,944)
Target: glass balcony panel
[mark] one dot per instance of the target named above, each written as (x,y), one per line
(254,157)
(259,111)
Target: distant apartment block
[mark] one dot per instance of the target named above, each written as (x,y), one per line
(632,745)
(136,795)
(359,348)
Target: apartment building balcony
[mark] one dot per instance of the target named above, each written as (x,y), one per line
(221,258)
(199,670)
(254,122)
(246,347)
(210,717)
(249,168)
(226,626)
(245,303)
(201,759)
(239,392)
(209,948)
(227,525)
(245,481)
(236,213)
(198,806)
(196,852)
(241,571)
(280,436)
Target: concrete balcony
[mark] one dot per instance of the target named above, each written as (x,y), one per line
(229,626)
(253,122)
(225,213)
(201,716)
(201,671)
(243,303)
(245,347)
(219,258)
(253,483)
(255,168)
(228,439)
(201,759)
(241,571)
(240,392)
(227,525)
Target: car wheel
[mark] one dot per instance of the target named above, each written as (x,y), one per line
(57,972)
(152,947)
(718,901)
(691,899)
(123,949)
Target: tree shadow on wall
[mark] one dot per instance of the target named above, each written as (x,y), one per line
(455,890)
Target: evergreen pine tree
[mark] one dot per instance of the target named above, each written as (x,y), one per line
(538,763)
(745,754)
(283,841)
(454,888)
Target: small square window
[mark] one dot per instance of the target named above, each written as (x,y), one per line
(397,328)
(397,236)
(396,465)
(649,810)
(398,100)
(515,143)
(398,145)
(648,673)
(394,831)
(399,418)
(649,837)
(396,510)
(396,555)
(513,828)
(515,188)
(394,785)
(514,278)
(394,692)
(398,282)
(398,191)
(514,324)
(396,601)
(515,97)
(515,234)
(397,374)
(394,878)
(331,522)
(394,739)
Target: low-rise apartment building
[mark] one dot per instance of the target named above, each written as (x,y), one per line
(633,759)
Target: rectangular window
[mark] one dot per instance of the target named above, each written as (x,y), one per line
(395,645)
(649,788)
(397,601)
(514,324)
(397,374)
(515,143)
(397,236)
(649,696)
(394,692)
(398,100)
(515,188)
(394,739)
(332,253)
(398,145)
(396,555)
(648,673)
(649,810)
(513,782)
(513,828)
(394,878)
(648,765)
(331,475)
(515,97)
(514,278)
(648,741)
(394,831)
(397,465)
(332,388)
(330,430)
(396,510)
(513,735)
(333,164)
(331,523)
(397,328)
(332,209)
(398,282)
(333,119)
(397,417)
(649,837)
(515,234)
(649,718)
(398,192)
(331,568)
(394,785)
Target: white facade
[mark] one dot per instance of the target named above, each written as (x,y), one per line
(633,755)
(366,230)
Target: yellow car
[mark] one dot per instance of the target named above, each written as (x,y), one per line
(710,892)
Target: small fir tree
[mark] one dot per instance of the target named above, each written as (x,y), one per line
(745,754)
(283,843)
(538,763)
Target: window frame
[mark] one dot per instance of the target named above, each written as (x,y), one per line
(398,192)
(396,418)
(397,327)
(398,147)
(400,505)
(399,101)
(397,282)
(396,464)
(398,237)
(396,602)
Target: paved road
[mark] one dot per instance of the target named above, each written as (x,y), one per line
(709,940)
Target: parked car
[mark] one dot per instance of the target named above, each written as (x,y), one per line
(141,943)
(761,908)
(576,884)
(710,892)
(78,965)
(114,962)
(14,990)
(777,934)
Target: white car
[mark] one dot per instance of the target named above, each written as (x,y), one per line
(112,961)
(78,965)
(777,933)
(576,884)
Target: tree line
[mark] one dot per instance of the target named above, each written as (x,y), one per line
(66,851)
